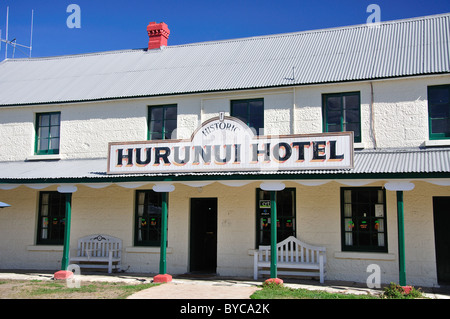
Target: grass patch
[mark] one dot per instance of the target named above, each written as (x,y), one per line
(277,291)
(44,289)
(59,288)
(282,292)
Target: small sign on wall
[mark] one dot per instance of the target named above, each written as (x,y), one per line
(264,204)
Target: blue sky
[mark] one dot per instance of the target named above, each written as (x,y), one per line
(115,25)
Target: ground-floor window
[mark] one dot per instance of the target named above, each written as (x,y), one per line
(363,219)
(285,215)
(51,220)
(148,218)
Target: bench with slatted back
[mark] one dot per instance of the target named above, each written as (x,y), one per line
(292,255)
(99,251)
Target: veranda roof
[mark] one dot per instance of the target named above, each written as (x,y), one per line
(372,164)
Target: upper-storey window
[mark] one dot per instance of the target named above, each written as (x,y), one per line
(251,112)
(162,121)
(342,113)
(439,111)
(47,133)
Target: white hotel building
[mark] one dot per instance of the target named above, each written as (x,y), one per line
(380,196)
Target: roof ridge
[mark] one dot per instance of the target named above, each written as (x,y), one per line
(397,49)
(249,38)
(293,33)
(75,55)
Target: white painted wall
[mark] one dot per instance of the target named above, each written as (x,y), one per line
(400,117)
(110,211)
(400,111)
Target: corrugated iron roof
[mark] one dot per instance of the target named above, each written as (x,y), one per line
(387,161)
(407,47)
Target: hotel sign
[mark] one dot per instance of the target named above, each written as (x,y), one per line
(227,144)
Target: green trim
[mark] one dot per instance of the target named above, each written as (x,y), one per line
(258,216)
(49,137)
(173,178)
(162,257)
(273,234)
(143,242)
(341,95)
(163,132)
(357,248)
(401,239)
(66,249)
(50,217)
(437,136)
(249,115)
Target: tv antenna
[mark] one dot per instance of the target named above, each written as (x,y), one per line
(13,42)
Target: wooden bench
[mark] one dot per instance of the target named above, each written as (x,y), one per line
(292,254)
(99,251)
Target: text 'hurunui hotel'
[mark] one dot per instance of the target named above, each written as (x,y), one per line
(190,158)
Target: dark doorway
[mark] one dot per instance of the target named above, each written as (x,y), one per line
(441,213)
(203,241)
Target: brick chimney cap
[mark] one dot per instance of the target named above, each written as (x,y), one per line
(155,26)
(158,34)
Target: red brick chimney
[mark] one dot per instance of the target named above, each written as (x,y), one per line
(158,34)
